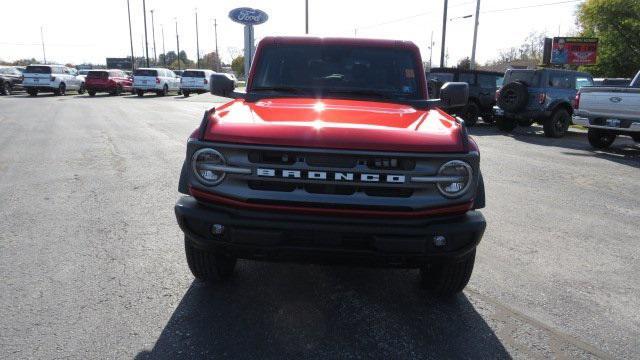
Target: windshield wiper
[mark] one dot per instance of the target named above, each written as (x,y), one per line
(360,92)
(288,89)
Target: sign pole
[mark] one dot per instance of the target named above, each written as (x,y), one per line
(248,48)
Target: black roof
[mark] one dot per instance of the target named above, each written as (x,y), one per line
(457,70)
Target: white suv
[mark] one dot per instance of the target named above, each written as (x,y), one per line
(195,81)
(158,80)
(51,78)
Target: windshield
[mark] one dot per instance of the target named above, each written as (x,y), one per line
(145,72)
(193,74)
(443,77)
(529,77)
(366,71)
(38,70)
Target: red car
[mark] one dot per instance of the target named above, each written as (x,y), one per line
(114,82)
(334,153)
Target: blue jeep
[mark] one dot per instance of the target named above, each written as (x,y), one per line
(544,96)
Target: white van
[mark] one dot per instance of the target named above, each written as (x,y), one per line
(51,78)
(195,81)
(158,80)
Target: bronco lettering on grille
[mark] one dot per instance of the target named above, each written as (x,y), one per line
(331,176)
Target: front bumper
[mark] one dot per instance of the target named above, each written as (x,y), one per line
(276,236)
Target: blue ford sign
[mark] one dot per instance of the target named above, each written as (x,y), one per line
(248,16)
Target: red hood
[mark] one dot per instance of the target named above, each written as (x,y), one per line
(336,124)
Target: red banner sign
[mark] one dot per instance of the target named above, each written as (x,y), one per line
(574,51)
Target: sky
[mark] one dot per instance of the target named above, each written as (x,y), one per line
(89,31)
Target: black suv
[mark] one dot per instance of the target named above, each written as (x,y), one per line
(482,90)
(544,96)
(10,80)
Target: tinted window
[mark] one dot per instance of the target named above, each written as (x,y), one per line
(38,70)
(489,81)
(97,74)
(194,74)
(560,80)
(443,77)
(145,72)
(582,81)
(468,78)
(529,77)
(339,69)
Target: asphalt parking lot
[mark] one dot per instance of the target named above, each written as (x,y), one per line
(93,266)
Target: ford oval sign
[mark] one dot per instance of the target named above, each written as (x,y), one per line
(248,16)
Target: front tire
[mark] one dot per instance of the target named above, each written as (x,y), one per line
(32,92)
(185,93)
(208,266)
(81,89)
(558,124)
(92,93)
(447,279)
(505,124)
(600,139)
(140,93)
(471,114)
(61,91)
(6,89)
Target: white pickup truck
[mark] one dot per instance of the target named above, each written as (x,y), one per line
(608,112)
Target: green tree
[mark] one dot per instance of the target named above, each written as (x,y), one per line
(211,61)
(616,24)
(237,65)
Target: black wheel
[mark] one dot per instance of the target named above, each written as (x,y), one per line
(61,90)
(447,279)
(140,93)
(471,114)
(600,139)
(32,92)
(558,124)
(91,93)
(6,89)
(513,96)
(81,89)
(207,265)
(505,124)
(636,137)
(185,93)
(118,90)
(488,118)
(165,90)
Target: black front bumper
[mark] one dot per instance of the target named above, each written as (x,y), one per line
(321,239)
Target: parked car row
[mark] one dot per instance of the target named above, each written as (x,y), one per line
(58,79)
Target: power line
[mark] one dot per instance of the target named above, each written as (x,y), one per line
(531,6)
(410,17)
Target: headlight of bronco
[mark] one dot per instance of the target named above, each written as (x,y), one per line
(208,166)
(461,174)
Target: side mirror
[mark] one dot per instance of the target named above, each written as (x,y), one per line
(454,95)
(221,85)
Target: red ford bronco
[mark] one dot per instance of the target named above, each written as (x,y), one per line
(334,154)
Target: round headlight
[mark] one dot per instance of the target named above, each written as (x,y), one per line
(206,165)
(458,174)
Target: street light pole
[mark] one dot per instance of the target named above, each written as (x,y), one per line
(444,32)
(146,43)
(178,43)
(475,37)
(153,35)
(197,43)
(44,54)
(306,17)
(164,53)
(133,59)
(215,33)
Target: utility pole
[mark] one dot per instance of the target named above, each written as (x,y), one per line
(164,53)
(444,32)
(153,35)
(431,50)
(133,59)
(215,33)
(44,54)
(146,43)
(178,43)
(306,17)
(475,37)
(197,42)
